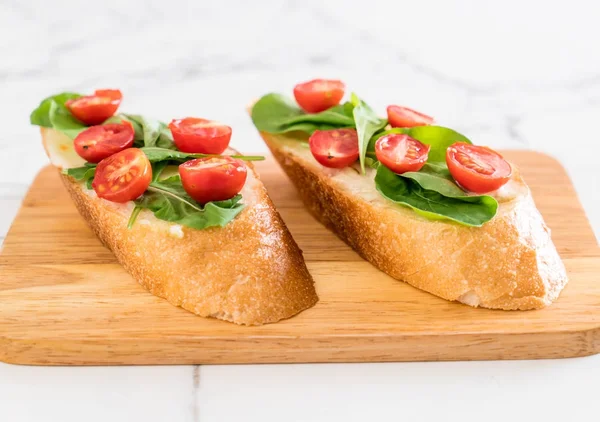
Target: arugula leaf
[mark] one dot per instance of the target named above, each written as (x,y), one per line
(157,169)
(138,137)
(62,120)
(165,138)
(367,124)
(439,137)
(371,162)
(41,115)
(134,215)
(156,154)
(148,132)
(275,113)
(150,128)
(85,173)
(169,202)
(430,200)
(79,173)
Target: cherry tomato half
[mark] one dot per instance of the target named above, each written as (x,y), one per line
(213,178)
(95,109)
(319,94)
(99,142)
(406,117)
(401,153)
(123,176)
(200,135)
(335,148)
(114,94)
(477,169)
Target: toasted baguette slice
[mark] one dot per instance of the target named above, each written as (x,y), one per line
(249,272)
(509,263)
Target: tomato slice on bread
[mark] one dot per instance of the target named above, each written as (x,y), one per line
(95,109)
(405,117)
(337,148)
(319,94)
(213,178)
(123,176)
(99,142)
(401,153)
(200,135)
(476,168)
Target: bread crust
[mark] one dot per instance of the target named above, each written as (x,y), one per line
(249,272)
(509,263)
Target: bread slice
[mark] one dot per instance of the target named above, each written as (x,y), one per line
(249,272)
(509,263)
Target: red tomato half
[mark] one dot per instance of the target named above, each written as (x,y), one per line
(401,153)
(123,176)
(406,117)
(98,142)
(477,169)
(200,135)
(319,94)
(115,94)
(95,109)
(213,178)
(335,148)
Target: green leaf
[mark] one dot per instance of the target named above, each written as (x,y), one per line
(431,203)
(62,120)
(367,124)
(150,132)
(371,162)
(437,178)
(168,201)
(41,115)
(165,138)
(439,137)
(134,215)
(156,154)
(228,203)
(275,113)
(150,128)
(157,169)
(83,174)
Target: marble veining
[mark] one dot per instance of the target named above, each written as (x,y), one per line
(508,74)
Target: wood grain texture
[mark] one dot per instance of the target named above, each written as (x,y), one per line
(65,301)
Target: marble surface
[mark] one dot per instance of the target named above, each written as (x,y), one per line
(511,74)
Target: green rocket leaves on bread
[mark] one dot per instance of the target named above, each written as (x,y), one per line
(431,191)
(165,196)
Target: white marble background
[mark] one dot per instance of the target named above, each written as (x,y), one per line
(510,74)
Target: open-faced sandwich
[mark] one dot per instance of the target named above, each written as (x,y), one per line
(419,201)
(184,214)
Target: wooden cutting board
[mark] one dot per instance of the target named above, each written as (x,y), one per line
(65,301)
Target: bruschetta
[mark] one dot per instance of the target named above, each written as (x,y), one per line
(417,200)
(186,215)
